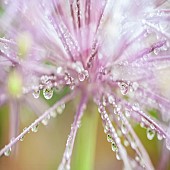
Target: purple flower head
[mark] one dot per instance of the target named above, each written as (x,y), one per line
(114,52)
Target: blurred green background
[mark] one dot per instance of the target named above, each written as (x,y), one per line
(43,150)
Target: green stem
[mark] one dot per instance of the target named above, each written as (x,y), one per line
(84,153)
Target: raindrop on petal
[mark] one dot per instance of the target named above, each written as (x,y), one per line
(124,129)
(53,114)
(7,152)
(126,143)
(60,108)
(45,121)
(150,133)
(35,128)
(124,87)
(159,136)
(81,76)
(48,93)
(21,138)
(111,99)
(109,138)
(114,147)
(36,94)
(118,156)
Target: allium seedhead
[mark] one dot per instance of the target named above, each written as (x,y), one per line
(113,52)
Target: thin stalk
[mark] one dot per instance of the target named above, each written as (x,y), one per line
(86,141)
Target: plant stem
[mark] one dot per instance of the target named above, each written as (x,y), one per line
(85,146)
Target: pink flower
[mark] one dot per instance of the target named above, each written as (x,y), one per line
(111,51)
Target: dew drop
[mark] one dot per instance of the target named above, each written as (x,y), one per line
(124,87)
(109,138)
(104,116)
(48,93)
(45,121)
(106,129)
(137,158)
(36,94)
(159,136)
(156,51)
(101,109)
(59,70)
(111,99)
(152,126)
(124,129)
(119,133)
(44,79)
(35,128)
(21,138)
(127,113)
(150,133)
(7,152)
(60,108)
(114,147)
(81,76)
(53,114)
(135,107)
(72,86)
(126,143)
(118,156)
(133,145)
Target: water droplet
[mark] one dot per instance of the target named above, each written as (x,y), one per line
(7,152)
(60,108)
(150,133)
(133,145)
(21,138)
(137,158)
(152,126)
(127,113)
(36,94)
(114,147)
(105,102)
(156,51)
(44,79)
(48,93)
(35,128)
(104,116)
(119,133)
(142,125)
(53,114)
(106,129)
(159,136)
(124,87)
(45,121)
(109,138)
(81,76)
(101,109)
(126,143)
(135,107)
(124,129)
(118,156)
(59,70)
(111,99)
(72,86)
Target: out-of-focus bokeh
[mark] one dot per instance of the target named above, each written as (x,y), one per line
(43,150)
